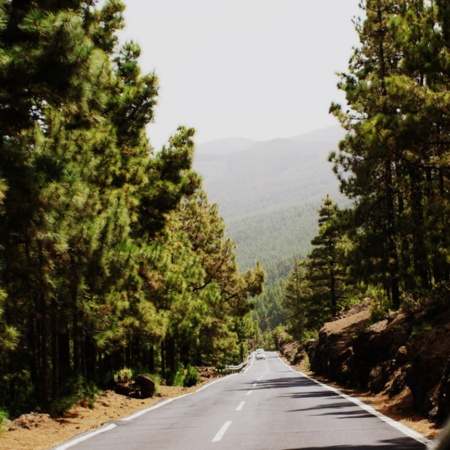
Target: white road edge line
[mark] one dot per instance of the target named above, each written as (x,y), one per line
(85,437)
(250,365)
(241,405)
(397,425)
(218,437)
(145,411)
(133,416)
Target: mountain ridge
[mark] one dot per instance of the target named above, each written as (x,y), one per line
(273,180)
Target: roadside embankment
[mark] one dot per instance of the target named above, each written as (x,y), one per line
(400,364)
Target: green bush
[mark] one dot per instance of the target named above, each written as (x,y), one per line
(310,335)
(72,392)
(191,377)
(174,378)
(185,377)
(178,379)
(3,420)
(17,393)
(123,375)
(379,303)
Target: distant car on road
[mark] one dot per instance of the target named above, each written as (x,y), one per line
(260,353)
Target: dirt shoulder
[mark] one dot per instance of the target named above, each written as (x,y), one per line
(40,432)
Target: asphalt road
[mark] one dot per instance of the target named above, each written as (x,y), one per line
(269,407)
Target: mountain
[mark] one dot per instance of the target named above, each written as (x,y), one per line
(268,192)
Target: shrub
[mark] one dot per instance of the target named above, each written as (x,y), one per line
(174,378)
(379,304)
(3,420)
(123,375)
(191,377)
(74,391)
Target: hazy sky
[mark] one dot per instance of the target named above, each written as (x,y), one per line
(257,69)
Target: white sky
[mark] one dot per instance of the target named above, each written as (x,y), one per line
(257,69)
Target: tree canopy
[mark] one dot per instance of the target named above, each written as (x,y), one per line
(110,253)
(393,163)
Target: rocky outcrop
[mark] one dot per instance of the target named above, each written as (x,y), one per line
(141,387)
(404,351)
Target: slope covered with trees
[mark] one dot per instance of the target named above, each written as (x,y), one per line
(110,253)
(393,164)
(268,192)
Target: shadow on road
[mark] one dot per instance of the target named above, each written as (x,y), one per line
(397,444)
(293,382)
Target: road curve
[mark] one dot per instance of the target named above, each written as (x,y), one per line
(268,407)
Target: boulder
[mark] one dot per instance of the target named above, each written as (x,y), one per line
(143,386)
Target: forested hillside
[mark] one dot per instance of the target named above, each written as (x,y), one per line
(269,192)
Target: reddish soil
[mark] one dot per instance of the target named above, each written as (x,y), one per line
(39,431)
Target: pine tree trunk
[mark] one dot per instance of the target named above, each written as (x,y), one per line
(170,353)
(44,343)
(55,352)
(90,358)
(418,250)
(393,265)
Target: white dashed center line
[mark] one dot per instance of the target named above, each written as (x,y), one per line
(241,405)
(222,431)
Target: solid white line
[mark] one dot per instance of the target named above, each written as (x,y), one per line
(131,417)
(222,431)
(211,383)
(250,365)
(85,437)
(158,405)
(394,424)
(145,411)
(241,405)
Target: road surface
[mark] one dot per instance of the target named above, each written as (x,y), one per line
(269,407)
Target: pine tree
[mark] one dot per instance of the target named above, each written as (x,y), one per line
(369,151)
(295,301)
(325,269)
(225,291)
(84,196)
(391,158)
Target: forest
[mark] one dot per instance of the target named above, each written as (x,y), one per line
(111,256)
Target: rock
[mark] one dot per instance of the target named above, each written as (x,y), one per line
(142,387)
(145,385)
(402,357)
(403,352)
(29,421)
(123,389)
